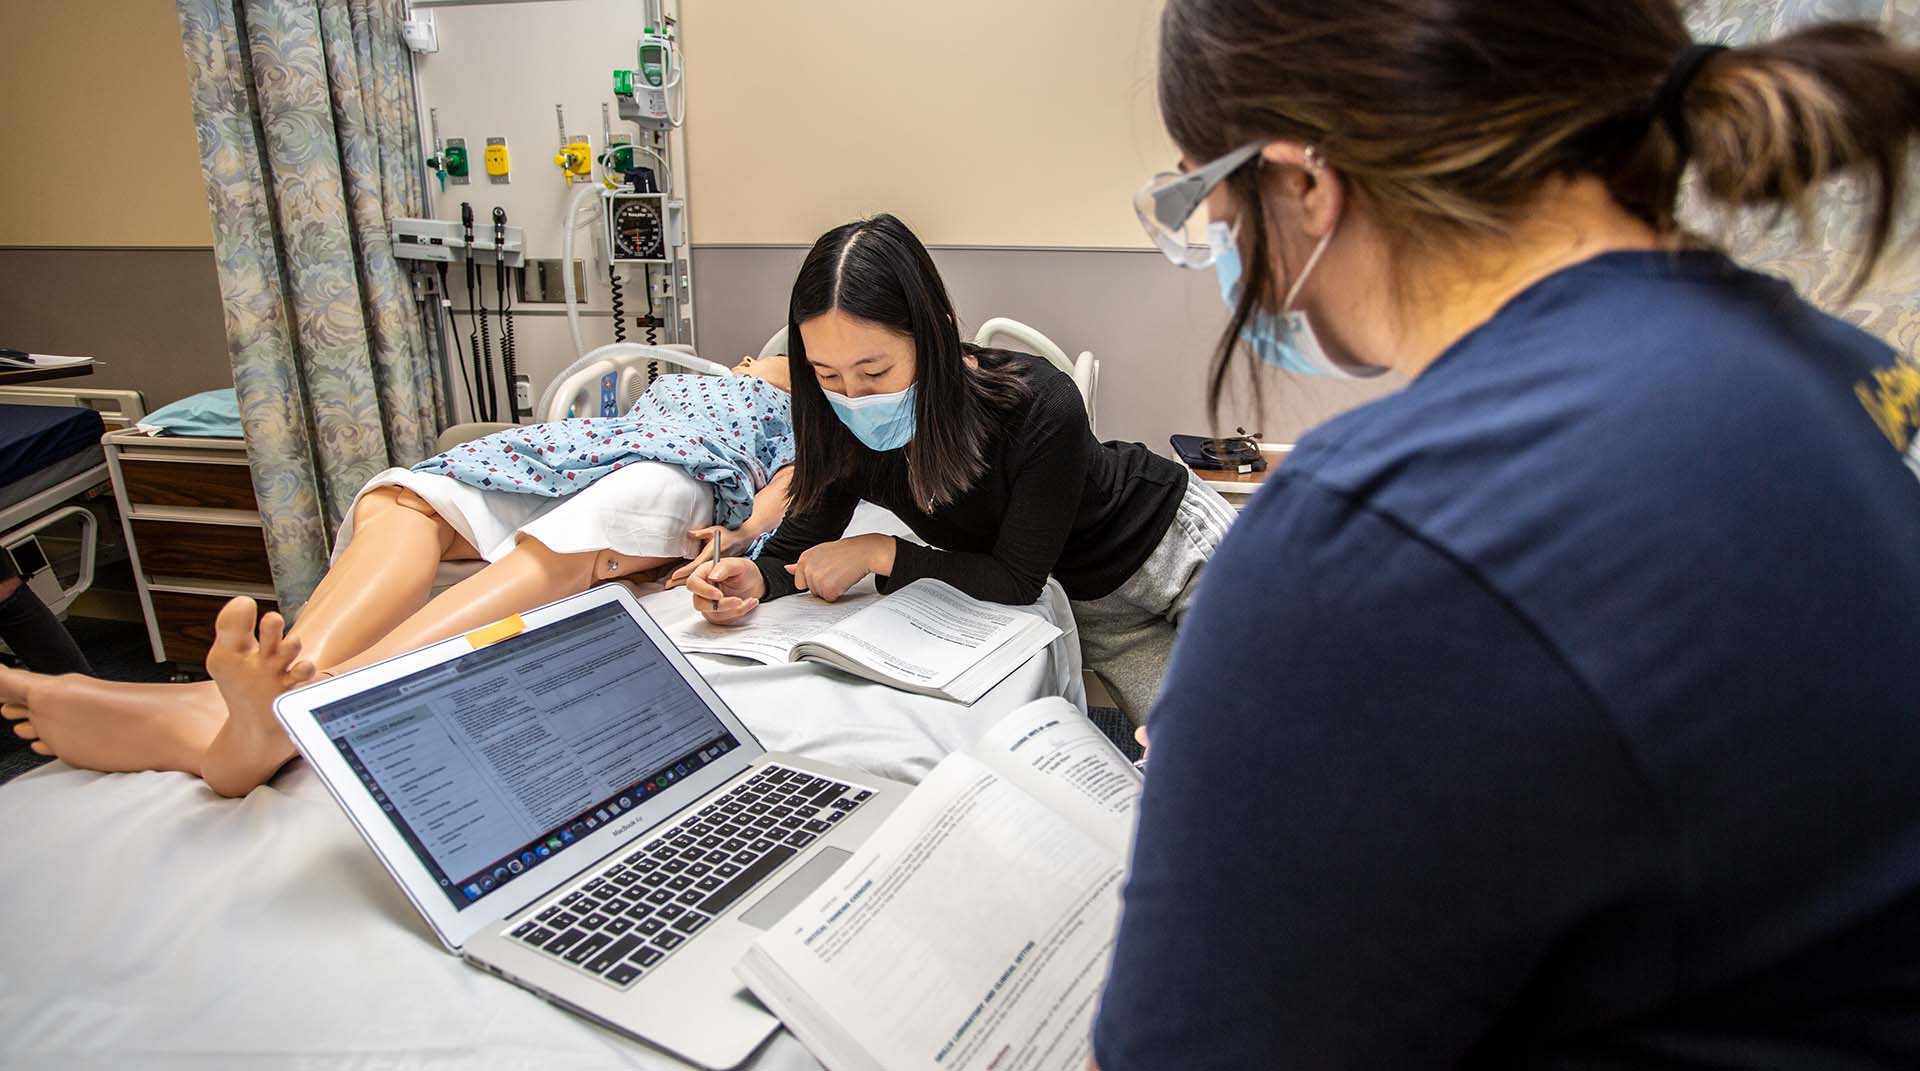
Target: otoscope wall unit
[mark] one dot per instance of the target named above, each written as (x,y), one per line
(444,241)
(591,96)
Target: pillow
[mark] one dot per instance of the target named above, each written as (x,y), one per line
(214,414)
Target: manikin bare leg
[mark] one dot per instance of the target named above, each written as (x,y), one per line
(250,747)
(382,578)
(236,745)
(530,576)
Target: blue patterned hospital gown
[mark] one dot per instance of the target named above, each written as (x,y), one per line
(733,432)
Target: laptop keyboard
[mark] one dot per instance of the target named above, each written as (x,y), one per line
(623,920)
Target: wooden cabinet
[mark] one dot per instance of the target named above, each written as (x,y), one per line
(193,534)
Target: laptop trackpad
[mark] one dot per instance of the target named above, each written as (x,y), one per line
(787,895)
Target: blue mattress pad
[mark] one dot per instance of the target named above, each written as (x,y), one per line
(33,437)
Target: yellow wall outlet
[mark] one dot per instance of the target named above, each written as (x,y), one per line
(576,159)
(496,158)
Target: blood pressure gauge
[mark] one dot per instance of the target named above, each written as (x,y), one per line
(637,228)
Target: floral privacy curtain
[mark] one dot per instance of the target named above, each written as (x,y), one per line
(309,143)
(1819,260)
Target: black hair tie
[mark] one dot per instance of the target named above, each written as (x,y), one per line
(1669,101)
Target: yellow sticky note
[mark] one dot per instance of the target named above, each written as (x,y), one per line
(499,630)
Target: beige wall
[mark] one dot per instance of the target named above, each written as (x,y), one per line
(104,81)
(998,122)
(995,122)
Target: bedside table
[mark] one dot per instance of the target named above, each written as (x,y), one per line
(193,534)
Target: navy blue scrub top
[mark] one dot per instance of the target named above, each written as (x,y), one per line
(1562,710)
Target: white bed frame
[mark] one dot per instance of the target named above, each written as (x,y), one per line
(578,389)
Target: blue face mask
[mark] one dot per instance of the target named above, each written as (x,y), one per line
(881,421)
(1284,340)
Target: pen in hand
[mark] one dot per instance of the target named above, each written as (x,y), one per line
(716,561)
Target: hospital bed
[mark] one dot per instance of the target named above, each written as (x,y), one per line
(613,377)
(607,381)
(147,923)
(50,459)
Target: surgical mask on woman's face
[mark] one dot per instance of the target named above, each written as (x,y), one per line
(1284,340)
(881,421)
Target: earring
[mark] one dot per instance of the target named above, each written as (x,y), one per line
(1314,160)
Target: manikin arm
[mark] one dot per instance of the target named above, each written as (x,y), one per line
(769,507)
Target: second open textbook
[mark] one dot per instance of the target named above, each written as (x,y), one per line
(927,637)
(973,930)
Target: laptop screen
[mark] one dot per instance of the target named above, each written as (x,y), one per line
(491,764)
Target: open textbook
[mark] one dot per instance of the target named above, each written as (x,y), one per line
(973,929)
(926,637)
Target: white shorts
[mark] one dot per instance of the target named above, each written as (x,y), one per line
(642,510)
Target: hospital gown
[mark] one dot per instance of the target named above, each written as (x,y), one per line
(691,452)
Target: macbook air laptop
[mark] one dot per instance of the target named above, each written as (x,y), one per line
(572,808)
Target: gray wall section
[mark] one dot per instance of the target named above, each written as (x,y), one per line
(1152,326)
(153,315)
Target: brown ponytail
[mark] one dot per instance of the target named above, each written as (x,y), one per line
(1770,123)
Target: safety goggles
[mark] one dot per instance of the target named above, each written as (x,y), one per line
(1168,207)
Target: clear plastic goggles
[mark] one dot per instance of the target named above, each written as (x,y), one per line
(1169,207)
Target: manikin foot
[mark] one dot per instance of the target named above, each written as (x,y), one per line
(22,727)
(111,726)
(251,671)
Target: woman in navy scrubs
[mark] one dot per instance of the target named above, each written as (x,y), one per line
(1563,709)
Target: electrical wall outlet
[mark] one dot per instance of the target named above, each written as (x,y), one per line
(522,393)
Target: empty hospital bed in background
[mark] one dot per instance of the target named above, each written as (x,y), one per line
(51,461)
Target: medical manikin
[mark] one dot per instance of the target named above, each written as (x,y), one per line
(553,508)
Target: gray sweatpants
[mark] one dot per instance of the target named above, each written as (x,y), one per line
(1126,637)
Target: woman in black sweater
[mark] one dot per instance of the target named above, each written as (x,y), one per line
(985,454)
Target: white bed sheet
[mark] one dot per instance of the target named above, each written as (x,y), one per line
(145,922)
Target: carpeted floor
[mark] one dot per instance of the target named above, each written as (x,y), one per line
(1110,721)
(119,652)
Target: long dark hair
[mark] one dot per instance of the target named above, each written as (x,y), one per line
(877,271)
(1446,116)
